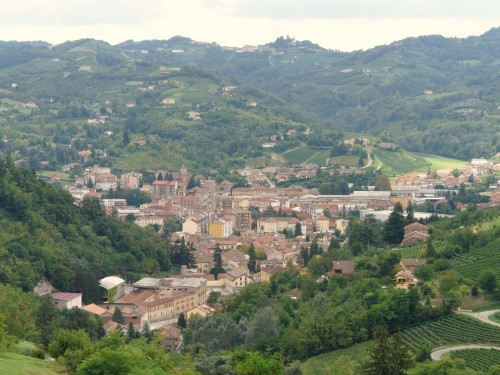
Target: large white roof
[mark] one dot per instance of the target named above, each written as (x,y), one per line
(110,282)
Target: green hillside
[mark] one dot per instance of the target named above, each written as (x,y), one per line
(11,363)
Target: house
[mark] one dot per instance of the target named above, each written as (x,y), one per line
(269,270)
(234,259)
(171,338)
(185,284)
(202,310)
(411,264)
(405,280)
(198,223)
(63,300)
(144,221)
(343,267)
(415,233)
(322,224)
(132,313)
(237,280)
(163,188)
(168,101)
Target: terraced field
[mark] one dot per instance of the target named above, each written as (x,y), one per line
(451,330)
(324,363)
(470,265)
(478,359)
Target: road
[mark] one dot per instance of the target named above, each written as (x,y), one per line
(483,316)
(437,354)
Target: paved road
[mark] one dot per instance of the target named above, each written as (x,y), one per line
(483,316)
(437,354)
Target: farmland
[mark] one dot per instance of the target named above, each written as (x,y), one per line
(439,162)
(478,359)
(306,155)
(470,265)
(324,363)
(398,163)
(451,330)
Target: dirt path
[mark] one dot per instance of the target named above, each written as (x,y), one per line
(437,354)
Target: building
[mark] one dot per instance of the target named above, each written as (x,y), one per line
(221,228)
(164,188)
(195,285)
(405,280)
(411,264)
(415,233)
(63,300)
(144,221)
(343,267)
(130,180)
(115,287)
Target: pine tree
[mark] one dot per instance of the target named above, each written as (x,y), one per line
(181,321)
(160,177)
(314,250)
(298,229)
(132,333)
(304,256)
(410,213)
(394,227)
(252,260)
(431,253)
(217,257)
(192,183)
(146,332)
(118,316)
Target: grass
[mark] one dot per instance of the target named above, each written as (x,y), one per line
(325,363)
(64,176)
(11,363)
(398,163)
(495,317)
(487,307)
(412,252)
(439,162)
(478,359)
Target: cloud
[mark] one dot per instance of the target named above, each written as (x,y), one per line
(78,12)
(340,9)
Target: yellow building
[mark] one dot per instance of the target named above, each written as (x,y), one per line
(220,228)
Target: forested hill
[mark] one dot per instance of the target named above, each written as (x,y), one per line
(163,103)
(431,93)
(44,234)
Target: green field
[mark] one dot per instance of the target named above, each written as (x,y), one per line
(478,359)
(347,160)
(439,162)
(495,317)
(470,265)
(11,363)
(452,330)
(324,363)
(306,155)
(398,163)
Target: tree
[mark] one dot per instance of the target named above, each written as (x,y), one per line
(92,208)
(181,321)
(294,368)
(118,316)
(410,213)
(126,139)
(159,177)
(298,229)
(90,183)
(132,333)
(389,356)
(394,227)
(488,280)
(382,183)
(217,257)
(304,255)
(448,281)
(263,327)
(214,365)
(430,251)
(192,183)
(251,363)
(252,260)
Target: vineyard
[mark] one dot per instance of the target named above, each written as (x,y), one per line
(411,252)
(470,265)
(451,330)
(324,363)
(397,163)
(478,359)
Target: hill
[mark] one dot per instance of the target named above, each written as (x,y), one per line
(11,363)
(420,90)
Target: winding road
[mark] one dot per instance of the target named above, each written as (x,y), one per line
(483,316)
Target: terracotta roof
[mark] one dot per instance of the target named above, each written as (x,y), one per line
(63,296)
(94,309)
(346,267)
(136,296)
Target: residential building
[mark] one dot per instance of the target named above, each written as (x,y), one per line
(63,300)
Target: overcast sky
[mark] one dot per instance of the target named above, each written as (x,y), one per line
(337,24)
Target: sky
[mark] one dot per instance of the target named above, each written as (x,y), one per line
(344,25)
